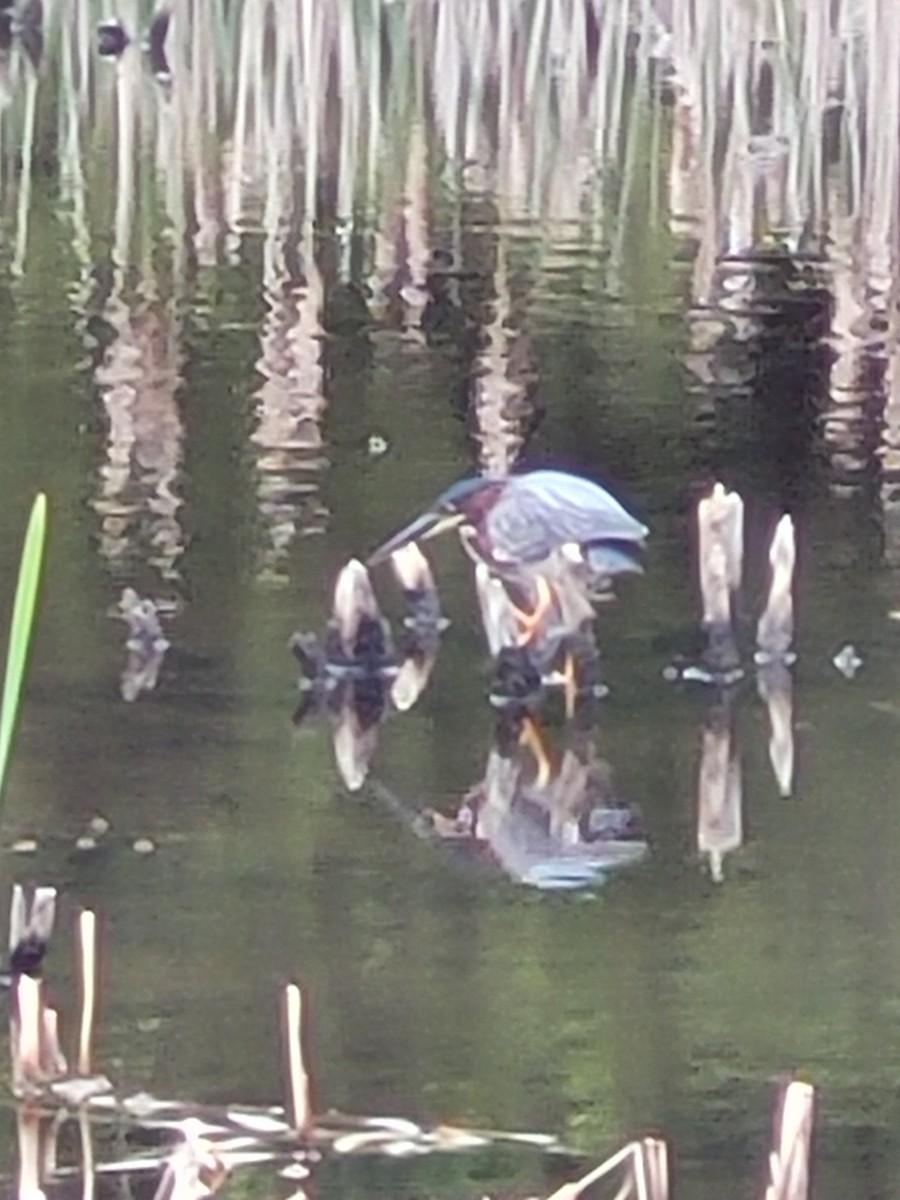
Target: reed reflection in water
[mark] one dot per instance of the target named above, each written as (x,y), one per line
(289,407)
(792,202)
(385,122)
(139,498)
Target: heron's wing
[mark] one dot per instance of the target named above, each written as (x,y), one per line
(546,509)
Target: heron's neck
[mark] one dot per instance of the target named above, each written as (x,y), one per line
(469,536)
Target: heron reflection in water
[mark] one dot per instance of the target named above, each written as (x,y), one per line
(546,820)
(146,645)
(545,543)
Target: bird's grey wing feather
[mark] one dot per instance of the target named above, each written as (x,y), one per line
(518,528)
(545,509)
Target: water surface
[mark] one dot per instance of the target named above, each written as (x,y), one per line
(205,322)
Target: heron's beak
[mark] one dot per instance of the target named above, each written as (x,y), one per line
(428,525)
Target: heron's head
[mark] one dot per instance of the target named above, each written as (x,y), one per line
(463,501)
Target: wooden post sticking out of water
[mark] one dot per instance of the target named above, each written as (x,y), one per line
(720,519)
(298,1105)
(86,952)
(789,1158)
(775,631)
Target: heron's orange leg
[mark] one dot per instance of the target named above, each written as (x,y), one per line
(570,684)
(530,738)
(530,622)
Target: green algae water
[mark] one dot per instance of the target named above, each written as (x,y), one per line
(260,303)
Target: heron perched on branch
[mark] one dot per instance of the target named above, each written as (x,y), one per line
(542,533)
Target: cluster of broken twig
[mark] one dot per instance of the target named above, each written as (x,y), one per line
(209,1144)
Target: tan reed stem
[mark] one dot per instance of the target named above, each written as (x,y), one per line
(87,966)
(298,1105)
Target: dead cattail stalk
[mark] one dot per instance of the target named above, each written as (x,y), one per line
(775,630)
(412,569)
(87,974)
(25,1036)
(354,601)
(720,520)
(298,1105)
(53,1062)
(30,928)
(653,1157)
(789,1159)
(18,918)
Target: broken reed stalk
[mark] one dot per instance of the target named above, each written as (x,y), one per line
(412,570)
(298,1105)
(53,1063)
(775,630)
(570,1191)
(649,1177)
(639,1175)
(789,1159)
(354,599)
(720,522)
(87,975)
(18,917)
(652,1169)
(25,1035)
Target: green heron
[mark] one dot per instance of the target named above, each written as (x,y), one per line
(537,532)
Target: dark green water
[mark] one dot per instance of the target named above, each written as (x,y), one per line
(437,989)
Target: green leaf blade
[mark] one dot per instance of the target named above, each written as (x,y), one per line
(21,625)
